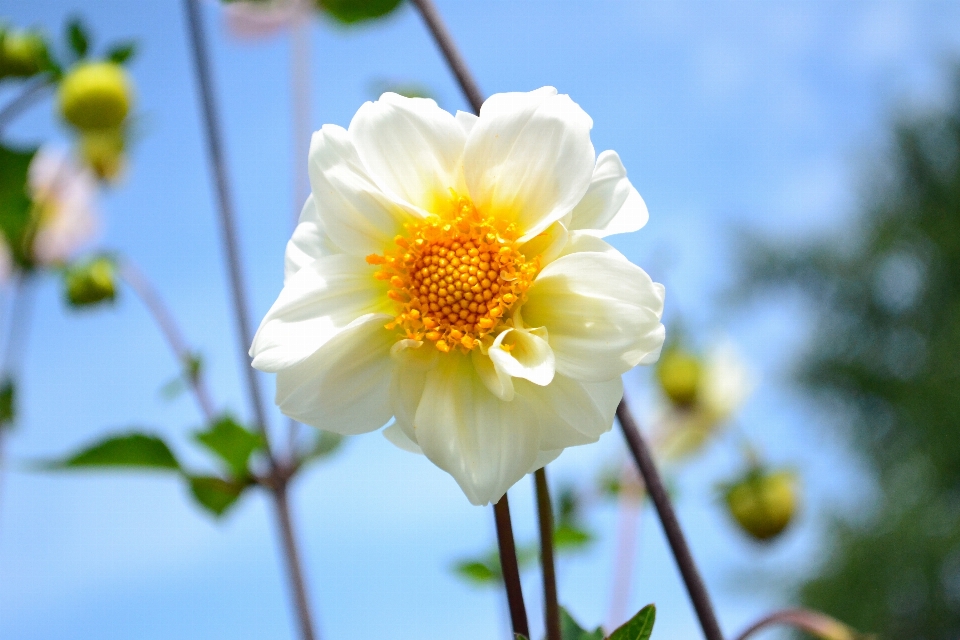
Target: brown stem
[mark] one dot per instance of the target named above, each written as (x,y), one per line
(813,622)
(671,526)
(168,327)
(548,567)
(510,568)
(294,564)
(449,48)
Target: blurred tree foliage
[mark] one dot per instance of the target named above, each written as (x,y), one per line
(885,355)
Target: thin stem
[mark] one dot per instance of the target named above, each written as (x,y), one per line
(813,622)
(671,527)
(228,226)
(548,568)
(449,48)
(32,93)
(279,476)
(628,532)
(510,568)
(171,331)
(294,564)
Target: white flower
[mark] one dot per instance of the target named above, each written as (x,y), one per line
(261,18)
(726,384)
(63,195)
(449,272)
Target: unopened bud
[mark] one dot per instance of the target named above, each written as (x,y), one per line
(95,95)
(763,503)
(679,374)
(22,54)
(91,282)
(103,151)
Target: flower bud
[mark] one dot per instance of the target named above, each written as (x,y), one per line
(95,95)
(22,54)
(762,502)
(103,151)
(680,374)
(91,282)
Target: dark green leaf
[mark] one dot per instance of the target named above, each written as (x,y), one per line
(138,450)
(639,627)
(568,537)
(214,494)
(8,403)
(15,205)
(231,443)
(122,52)
(78,37)
(571,630)
(354,11)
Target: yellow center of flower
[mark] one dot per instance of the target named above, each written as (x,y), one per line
(455,277)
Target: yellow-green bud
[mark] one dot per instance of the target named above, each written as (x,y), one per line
(102,150)
(91,282)
(22,54)
(95,95)
(763,503)
(680,374)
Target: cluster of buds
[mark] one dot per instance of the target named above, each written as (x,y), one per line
(762,501)
(91,282)
(23,53)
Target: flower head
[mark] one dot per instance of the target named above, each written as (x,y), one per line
(448,272)
(64,215)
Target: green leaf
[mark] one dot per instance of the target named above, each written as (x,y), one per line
(15,204)
(78,37)
(519,636)
(571,630)
(478,571)
(231,443)
(325,444)
(8,403)
(639,627)
(214,494)
(354,11)
(122,52)
(568,537)
(138,450)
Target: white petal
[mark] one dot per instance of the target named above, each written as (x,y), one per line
(399,438)
(484,443)
(529,158)
(524,353)
(317,303)
(412,361)
(344,386)
(309,241)
(583,242)
(611,204)
(603,315)
(466,121)
(548,244)
(571,412)
(412,149)
(355,213)
(544,458)
(497,380)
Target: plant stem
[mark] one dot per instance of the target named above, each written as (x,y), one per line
(168,327)
(545,514)
(280,478)
(32,93)
(225,208)
(294,562)
(449,48)
(813,622)
(671,527)
(509,567)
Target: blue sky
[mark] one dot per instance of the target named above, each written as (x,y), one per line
(728,115)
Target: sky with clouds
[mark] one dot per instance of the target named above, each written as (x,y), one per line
(729,116)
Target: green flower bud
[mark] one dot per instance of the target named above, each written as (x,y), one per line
(763,503)
(680,374)
(95,95)
(22,54)
(102,150)
(91,282)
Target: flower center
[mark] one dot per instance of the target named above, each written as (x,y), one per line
(455,277)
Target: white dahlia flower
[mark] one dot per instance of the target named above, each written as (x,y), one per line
(63,195)
(448,273)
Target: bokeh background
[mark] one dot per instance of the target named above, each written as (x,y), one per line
(742,123)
